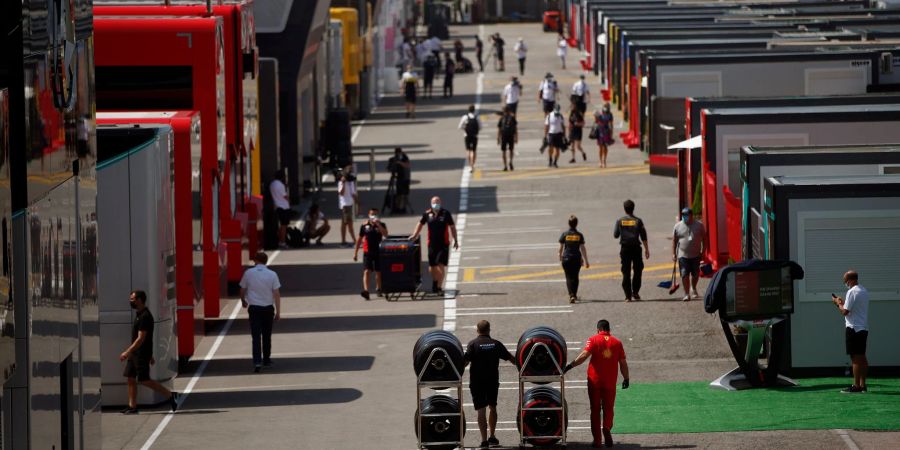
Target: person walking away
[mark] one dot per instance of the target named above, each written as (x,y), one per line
(458,50)
(440,228)
(471,125)
(479,50)
(428,69)
(400,167)
(855,309)
(138,357)
(347,199)
(554,135)
(603,121)
(631,234)
(449,71)
(261,297)
(687,242)
(312,229)
(576,127)
(484,354)
(280,199)
(548,93)
(511,94)
(370,235)
(581,94)
(507,137)
(561,48)
(572,255)
(409,56)
(498,50)
(607,357)
(521,53)
(422,51)
(409,82)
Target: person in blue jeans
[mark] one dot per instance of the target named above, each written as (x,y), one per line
(261,296)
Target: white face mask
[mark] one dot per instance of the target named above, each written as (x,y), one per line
(436,206)
(373,218)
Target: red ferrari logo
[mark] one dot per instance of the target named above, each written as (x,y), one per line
(396,267)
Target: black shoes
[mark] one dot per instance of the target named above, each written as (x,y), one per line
(493,441)
(173,401)
(485,445)
(129,411)
(572,298)
(511,167)
(854,390)
(364,294)
(379,293)
(636,297)
(267,363)
(257,369)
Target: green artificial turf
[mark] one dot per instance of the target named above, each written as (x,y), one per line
(814,404)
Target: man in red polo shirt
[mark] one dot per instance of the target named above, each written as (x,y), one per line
(607,358)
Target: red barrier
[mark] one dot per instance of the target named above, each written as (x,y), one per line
(710,217)
(633,137)
(733,222)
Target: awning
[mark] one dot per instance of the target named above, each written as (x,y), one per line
(694,142)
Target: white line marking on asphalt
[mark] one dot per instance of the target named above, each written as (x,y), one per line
(491,248)
(513,231)
(514,194)
(507,313)
(199,373)
(498,266)
(520,213)
(845,436)
(487,308)
(450,282)
(471,257)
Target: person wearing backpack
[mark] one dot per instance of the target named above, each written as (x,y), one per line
(507,136)
(554,135)
(472,126)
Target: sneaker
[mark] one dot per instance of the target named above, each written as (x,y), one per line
(572,298)
(493,441)
(379,293)
(485,445)
(283,246)
(319,244)
(627,299)
(257,368)
(572,161)
(173,401)
(686,298)
(607,437)
(555,164)
(364,294)
(637,297)
(584,156)
(852,390)
(129,411)
(268,363)
(511,167)
(505,168)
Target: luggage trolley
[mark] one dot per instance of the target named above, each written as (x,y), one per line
(560,378)
(400,264)
(456,384)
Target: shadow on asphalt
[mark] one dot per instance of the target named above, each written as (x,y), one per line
(625,445)
(643,300)
(429,165)
(318,364)
(376,122)
(338,323)
(253,399)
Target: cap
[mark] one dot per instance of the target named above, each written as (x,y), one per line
(549,75)
(686,211)
(581,76)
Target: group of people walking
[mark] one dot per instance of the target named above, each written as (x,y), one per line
(556,124)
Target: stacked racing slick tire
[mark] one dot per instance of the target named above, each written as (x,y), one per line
(440,428)
(440,368)
(542,361)
(542,423)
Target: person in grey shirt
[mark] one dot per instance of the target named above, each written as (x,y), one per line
(855,309)
(687,245)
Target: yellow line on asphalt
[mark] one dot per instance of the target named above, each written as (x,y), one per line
(469,275)
(526,276)
(477,174)
(615,273)
(573,171)
(500,269)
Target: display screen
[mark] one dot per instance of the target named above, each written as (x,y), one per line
(753,294)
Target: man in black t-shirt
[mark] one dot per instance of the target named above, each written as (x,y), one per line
(572,255)
(631,234)
(507,136)
(440,228)
(370,235)
(138,356)
(484,354)
(400,167)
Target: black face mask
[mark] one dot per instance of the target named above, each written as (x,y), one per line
(133,305)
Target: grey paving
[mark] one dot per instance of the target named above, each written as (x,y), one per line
(342,377)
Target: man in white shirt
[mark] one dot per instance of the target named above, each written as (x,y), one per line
(521,52)
(511,94)
(548,93)
(471,125)
(347,199)
(561,48)
(581,94)
(855,310)
(280,200)
(261,296)
(554,133)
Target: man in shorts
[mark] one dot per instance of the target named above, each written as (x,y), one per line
(855,309)
(440,228)
(484,354)
(471,125)
(548,93)
(347,199)
(507,136)
(138,356)
(687,246)
(370,235)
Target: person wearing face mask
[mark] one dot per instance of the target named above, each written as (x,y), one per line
(603,124)
(687,246)
(138,356)
(370,235)
(440,228)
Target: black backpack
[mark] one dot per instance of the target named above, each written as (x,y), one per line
(472,127)
(508,126)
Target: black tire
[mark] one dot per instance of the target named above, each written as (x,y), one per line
(440,428)
(440,369)
(542,423)
(541,363)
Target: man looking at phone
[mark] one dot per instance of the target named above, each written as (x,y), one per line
(855,309)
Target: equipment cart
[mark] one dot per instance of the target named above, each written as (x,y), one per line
(551,405)
(440,421)
(400,264)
